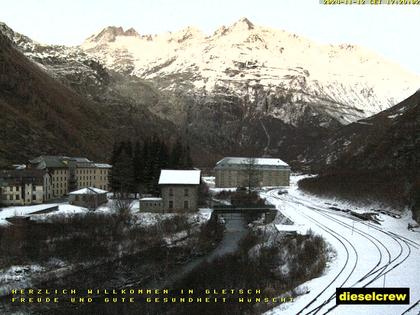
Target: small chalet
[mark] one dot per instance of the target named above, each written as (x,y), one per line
(179,189)
(89,197)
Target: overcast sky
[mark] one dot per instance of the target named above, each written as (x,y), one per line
(392,31)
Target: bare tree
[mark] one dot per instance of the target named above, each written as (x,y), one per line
(122,206)
(251,174)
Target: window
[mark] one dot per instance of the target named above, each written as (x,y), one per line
(186,192)
(186,206)
(171,204)
(171,192)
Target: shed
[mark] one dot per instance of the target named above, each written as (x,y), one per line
(89,197)
(151,204)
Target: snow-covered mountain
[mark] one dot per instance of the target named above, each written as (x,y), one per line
(258,64)
(245,89)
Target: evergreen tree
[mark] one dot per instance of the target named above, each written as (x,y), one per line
(138,169)
(138,165)
(176,156)
(187,158)
(115,172)
(147,164)
(123,169)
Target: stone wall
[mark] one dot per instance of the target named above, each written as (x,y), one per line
(179,197)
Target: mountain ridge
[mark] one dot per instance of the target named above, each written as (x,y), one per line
(350,81)
(224,100)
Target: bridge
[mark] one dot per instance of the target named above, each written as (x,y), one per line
(237,212)
(219,209)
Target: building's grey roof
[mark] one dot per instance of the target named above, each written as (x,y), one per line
(88,191)
(79,159)
(271,163)
(48,161)
(59,161)
(19,166)
(103,165)
(151,199)
(24,176)
(179,177)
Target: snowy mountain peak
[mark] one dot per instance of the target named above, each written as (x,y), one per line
(241,26)
(131,32)
(257,63)
(187,33)
(272,70)
(110,33)
(243,23)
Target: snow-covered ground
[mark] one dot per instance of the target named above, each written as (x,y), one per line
(367,254)
(143,218)
(63,208)
(209,180)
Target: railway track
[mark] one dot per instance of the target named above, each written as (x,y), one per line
(385,263)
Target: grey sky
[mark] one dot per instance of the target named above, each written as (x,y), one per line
(389,30)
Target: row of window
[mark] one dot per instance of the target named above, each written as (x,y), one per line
(81,171)
(18,188)
(186,204)
(61,185)
(17,197)
(186,192)
(58,179)
(59,192)
(90,171)
(92,177)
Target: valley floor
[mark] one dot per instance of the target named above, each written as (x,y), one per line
(367,254)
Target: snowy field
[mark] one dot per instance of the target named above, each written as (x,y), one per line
(63,208)
(367,254)
(143,218)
